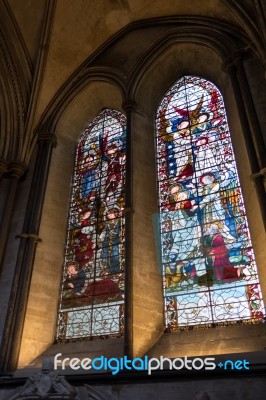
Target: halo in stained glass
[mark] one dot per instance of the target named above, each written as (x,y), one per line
(208,266)
(92,293)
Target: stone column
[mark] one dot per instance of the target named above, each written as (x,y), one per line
(15,171)
(10,346)
(252,134)
(129,106)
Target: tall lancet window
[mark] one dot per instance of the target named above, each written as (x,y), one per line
(92,295)
(209,272)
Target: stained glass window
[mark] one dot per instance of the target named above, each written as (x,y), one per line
(92,295)
(208,266)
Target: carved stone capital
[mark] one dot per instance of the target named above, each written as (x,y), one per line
(129,105)
(234,60)
(3,167)
(16,169)
(46,137)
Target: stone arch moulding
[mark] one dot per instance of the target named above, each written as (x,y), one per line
(77,83)
(253,23)
(206,30)
(16,78)
(224,41)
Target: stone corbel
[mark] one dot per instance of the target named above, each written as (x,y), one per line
(47,384)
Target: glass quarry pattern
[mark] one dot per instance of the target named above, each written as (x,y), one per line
(207,261)
(92,295)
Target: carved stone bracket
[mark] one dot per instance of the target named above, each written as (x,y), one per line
(47,384)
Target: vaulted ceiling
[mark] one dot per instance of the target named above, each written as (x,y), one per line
(43,43)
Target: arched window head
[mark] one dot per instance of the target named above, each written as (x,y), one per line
(92,295)
(209,272)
